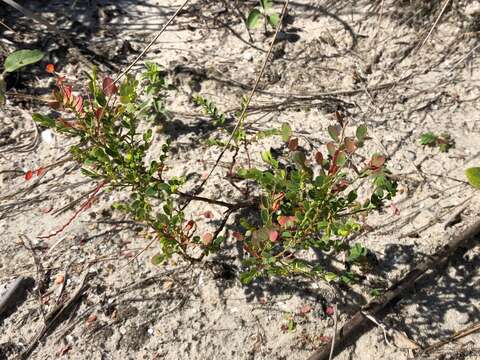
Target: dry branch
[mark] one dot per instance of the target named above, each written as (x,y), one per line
(352,330)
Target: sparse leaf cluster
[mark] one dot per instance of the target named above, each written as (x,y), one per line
(311,202)
(265,11)
(444,141)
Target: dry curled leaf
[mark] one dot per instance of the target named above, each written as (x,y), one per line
(305,309)
(91,319)
(350,145)
(293,144)
(207,238)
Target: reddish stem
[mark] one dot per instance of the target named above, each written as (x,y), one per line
(84,206)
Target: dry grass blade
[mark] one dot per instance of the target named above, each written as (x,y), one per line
(150,44)
(462,333)
(249,99)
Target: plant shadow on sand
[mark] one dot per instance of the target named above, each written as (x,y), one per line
(443,298)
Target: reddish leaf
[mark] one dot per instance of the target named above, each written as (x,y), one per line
(99,113)
(190,224)
(237,235)
(208,214)
(92,318)
(40,171)
(304,310)
(273,235)
(286,220)
(50,68)
(319,158)
(207,238)
(28,175)
(395,210)
(350,145)
(66,92)
(109,87)
(324,338)
(293,144)
(64,349)
(79,104)
(331,148)
(340,186)
(377,162)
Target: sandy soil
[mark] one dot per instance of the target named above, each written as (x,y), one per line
(365,59)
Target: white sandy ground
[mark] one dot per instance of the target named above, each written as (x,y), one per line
(145,312)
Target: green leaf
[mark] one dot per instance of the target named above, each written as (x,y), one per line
(273,19)
(3,90)
(361,132)
(268,158)
(329,277)
(44,120)
(248,276)
(334,132)
(266,4)
(299,158)
(21,58)
(253,18)
(286,131)
(428,138)
(341,159)
(473,176)
(158,259)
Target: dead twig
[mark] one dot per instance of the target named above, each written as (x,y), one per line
(456,215)
(353,329)
(247,102)
(462,333)
(150,44)
(54,315)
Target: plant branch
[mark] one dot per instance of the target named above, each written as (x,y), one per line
(230,206)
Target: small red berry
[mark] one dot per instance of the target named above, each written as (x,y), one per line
(28,175)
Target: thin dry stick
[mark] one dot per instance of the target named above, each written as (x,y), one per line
(150,44)
(249,99)
(434,24)
(140,252)
(30,14)
(334,332)
(84,206)
(462,333)
(6,26)
(417,49)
